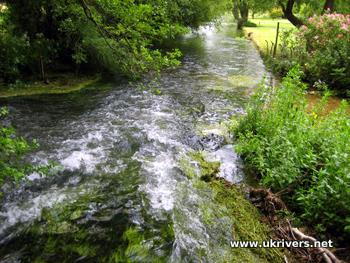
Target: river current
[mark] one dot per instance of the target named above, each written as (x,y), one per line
(118,191)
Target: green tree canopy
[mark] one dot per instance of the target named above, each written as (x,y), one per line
(122,36)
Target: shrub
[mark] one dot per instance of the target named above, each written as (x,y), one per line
(322,47)
(328,48)
(307,153)
(13,54)
(276,13)
(250,24)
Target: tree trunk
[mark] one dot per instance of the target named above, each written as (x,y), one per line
(235,11)
(288,13)
(243,13)
(329,6)
(244,10)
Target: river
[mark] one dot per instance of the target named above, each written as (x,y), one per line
(119,191)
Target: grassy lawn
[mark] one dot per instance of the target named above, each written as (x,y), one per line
(266,31)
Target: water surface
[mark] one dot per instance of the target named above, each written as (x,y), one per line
(119,191)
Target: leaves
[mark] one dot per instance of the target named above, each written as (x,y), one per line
(119,36)
(290,148)
(12,150)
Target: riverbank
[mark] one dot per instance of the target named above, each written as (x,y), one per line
(264,36)
(307,133)
(59,84)
(227,200)
(300,153)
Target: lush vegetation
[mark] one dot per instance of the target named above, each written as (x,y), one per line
(125,37)
(300,151)
(319,42)
(296,11)
(322,47)
(12,150)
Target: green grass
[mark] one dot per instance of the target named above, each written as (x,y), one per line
(59,85)
(266,31)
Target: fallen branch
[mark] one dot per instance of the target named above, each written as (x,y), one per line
(270,203)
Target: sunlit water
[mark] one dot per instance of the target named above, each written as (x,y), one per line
(119,149)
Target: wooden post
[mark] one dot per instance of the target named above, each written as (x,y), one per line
(276,43)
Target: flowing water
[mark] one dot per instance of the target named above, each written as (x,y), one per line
(119,191)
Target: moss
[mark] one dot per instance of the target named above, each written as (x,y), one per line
(247,222)
(65,84)
(140,248)
(221,129)
(226,208)
(206,170)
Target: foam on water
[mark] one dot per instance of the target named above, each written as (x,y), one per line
(112,130)
(231,165)
(160,185)
(15,213)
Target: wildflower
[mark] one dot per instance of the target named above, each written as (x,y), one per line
(345,27)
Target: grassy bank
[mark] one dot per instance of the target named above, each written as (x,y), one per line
(302,152)
(59,84)
(266,31)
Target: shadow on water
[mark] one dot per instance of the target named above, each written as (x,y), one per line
(119,193)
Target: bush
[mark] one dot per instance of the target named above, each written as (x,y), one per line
(322,47)
(250,24)
(307,153)
(13,55)
(123,37)
(328,48)
(276,13)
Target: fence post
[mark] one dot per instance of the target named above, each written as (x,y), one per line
(276,43)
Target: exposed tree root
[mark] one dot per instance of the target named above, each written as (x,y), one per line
(270,204)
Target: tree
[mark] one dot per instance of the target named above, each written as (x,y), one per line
(289,7)
(120,36)
(329,6)
(240,12)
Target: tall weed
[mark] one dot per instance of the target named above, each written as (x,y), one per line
(302,150)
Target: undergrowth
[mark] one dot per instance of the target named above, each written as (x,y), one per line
(304,154)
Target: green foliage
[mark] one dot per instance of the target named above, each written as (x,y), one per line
(322,47)
(194,13)
(13,53)
(276,13)
(12,150)
(307,153)
(327,42)
(250,24)
(119,36)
